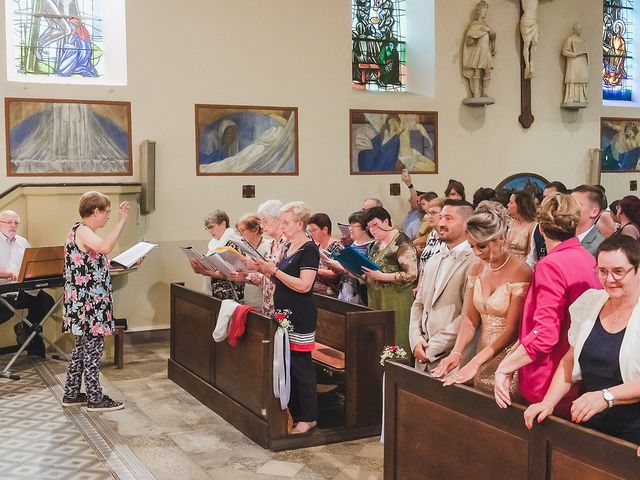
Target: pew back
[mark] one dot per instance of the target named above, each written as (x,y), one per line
(458,432)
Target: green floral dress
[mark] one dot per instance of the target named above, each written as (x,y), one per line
(398,257)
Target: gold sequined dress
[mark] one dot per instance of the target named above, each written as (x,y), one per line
(493,310)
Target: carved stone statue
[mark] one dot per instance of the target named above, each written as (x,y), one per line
(529,32)
(477,56)
(576,74)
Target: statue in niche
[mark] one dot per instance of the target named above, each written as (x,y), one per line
(477,56)
(576,74)
(529,32)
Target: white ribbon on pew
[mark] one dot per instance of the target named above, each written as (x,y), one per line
(281,365)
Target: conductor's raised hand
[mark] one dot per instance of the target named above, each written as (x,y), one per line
(123,211)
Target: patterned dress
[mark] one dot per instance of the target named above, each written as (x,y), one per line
(398,257)
(88,302)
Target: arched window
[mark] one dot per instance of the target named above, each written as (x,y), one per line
(617,49)
(379,49)
(66,41)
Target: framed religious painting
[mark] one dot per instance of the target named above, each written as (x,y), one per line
(619,144)
(386,142)
(67,137)
(246,140)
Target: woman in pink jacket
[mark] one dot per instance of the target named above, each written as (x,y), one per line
(558,280)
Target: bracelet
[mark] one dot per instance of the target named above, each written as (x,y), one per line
(456,353)
(410,186)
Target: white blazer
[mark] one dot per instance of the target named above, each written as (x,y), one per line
(584,312)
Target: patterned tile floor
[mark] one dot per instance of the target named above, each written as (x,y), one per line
(162,432)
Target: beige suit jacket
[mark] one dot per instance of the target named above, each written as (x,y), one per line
(437,311)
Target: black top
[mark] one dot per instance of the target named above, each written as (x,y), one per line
(600,365)
(302,306)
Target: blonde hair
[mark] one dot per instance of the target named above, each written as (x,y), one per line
(299,211)
(489,221)
(252,223)
(558,216)
(437,202)
(92,200)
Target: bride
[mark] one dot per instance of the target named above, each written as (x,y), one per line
(497,288)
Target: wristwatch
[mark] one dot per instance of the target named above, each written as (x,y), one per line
(608,396)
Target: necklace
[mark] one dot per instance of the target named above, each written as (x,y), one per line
(501,266)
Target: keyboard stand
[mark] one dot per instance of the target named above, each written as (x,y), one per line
(30,285)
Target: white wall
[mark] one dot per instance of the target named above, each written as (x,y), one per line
(298,53)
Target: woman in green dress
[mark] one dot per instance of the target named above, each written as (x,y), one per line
(390,288)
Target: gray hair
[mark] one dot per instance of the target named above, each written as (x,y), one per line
(270,208)
(216,216)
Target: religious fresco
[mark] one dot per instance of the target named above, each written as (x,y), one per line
(379,45)
(620,144)
(244,140)
(386,142)
(617,49)
(67,137)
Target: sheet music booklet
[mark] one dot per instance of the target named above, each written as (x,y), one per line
(226,260)
(133,255)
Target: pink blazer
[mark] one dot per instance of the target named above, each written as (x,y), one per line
(558,280)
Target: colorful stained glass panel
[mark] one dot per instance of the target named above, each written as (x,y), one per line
(617,49)
(379,54)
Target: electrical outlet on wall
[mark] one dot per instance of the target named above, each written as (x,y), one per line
(633,185)
(394,189)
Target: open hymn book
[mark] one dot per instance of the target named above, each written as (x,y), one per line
(133,255)
(226,260)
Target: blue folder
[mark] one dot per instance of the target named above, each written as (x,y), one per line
(353,260)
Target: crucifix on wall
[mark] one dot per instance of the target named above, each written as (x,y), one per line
(528,43)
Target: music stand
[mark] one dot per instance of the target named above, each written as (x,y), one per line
(41,267)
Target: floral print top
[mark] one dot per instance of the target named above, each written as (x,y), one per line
(88,302)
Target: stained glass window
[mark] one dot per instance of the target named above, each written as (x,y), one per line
(617,49)
(64,41)
(379,45)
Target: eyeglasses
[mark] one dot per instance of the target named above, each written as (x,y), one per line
(10,222)
(312,230)
(433,212)
(617,273)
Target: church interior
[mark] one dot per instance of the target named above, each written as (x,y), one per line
(193,410)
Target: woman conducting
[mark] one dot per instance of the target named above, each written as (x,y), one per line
(88,303)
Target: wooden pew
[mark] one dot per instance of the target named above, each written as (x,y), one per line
(236,382)
(459,433)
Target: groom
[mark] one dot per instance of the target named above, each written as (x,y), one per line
(437,311)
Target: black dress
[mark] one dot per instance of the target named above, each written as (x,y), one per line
(600,365)
(303,402)
(303,308)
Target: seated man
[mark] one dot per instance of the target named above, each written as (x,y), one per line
(438,308)
(37,302)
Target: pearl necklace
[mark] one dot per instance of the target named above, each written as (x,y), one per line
(501,266)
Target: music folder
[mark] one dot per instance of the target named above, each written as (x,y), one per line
(41,262)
